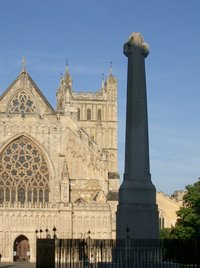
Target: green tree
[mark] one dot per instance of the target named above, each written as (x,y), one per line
(188,222)
(165,233)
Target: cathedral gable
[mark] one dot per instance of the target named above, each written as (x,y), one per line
(24,97)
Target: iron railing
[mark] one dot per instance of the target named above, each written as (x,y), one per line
(128,253)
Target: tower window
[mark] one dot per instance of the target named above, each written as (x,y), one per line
(161,221)
(99,115)
(88,114)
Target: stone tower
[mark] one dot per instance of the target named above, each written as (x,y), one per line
(137,210)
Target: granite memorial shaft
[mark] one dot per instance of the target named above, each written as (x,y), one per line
(137,209)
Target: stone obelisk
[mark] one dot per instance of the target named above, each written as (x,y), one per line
(137,212)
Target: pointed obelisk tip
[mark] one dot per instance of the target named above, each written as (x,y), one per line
(137,39)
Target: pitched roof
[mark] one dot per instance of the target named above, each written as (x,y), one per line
(35,87)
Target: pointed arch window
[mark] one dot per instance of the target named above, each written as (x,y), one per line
(22,103)
(78,114)
(89,114)
(24,175)
(161,221)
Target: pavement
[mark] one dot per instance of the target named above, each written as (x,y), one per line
(17,265)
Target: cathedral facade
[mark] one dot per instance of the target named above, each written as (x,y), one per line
(58,167)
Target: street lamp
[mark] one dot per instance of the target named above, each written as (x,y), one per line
(89,233)
(54,232)
(40,233)
(46,232)
(36,233)
(89,243)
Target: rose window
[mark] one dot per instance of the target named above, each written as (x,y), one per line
(22,103)
(24,175)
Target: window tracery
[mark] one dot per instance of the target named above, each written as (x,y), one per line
(22,102)
(24,174)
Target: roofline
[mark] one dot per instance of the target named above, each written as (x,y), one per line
(36,87)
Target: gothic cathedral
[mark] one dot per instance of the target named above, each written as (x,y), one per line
(58,167)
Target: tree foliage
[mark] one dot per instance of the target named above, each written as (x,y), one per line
(165,233)
(188,222)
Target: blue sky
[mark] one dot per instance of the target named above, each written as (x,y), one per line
(90,34)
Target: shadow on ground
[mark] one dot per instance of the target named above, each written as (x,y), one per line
(7,265)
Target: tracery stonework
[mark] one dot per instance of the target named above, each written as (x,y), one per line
(22,102)
(24,175)
(58,167)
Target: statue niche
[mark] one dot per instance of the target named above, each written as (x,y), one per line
(64,184)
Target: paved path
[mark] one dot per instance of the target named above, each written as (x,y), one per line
(17,265)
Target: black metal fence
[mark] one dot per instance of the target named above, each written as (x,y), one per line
(45,253)
(128,253)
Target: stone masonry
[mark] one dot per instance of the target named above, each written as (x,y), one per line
(58,167)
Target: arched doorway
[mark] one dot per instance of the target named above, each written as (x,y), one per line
(21,249)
